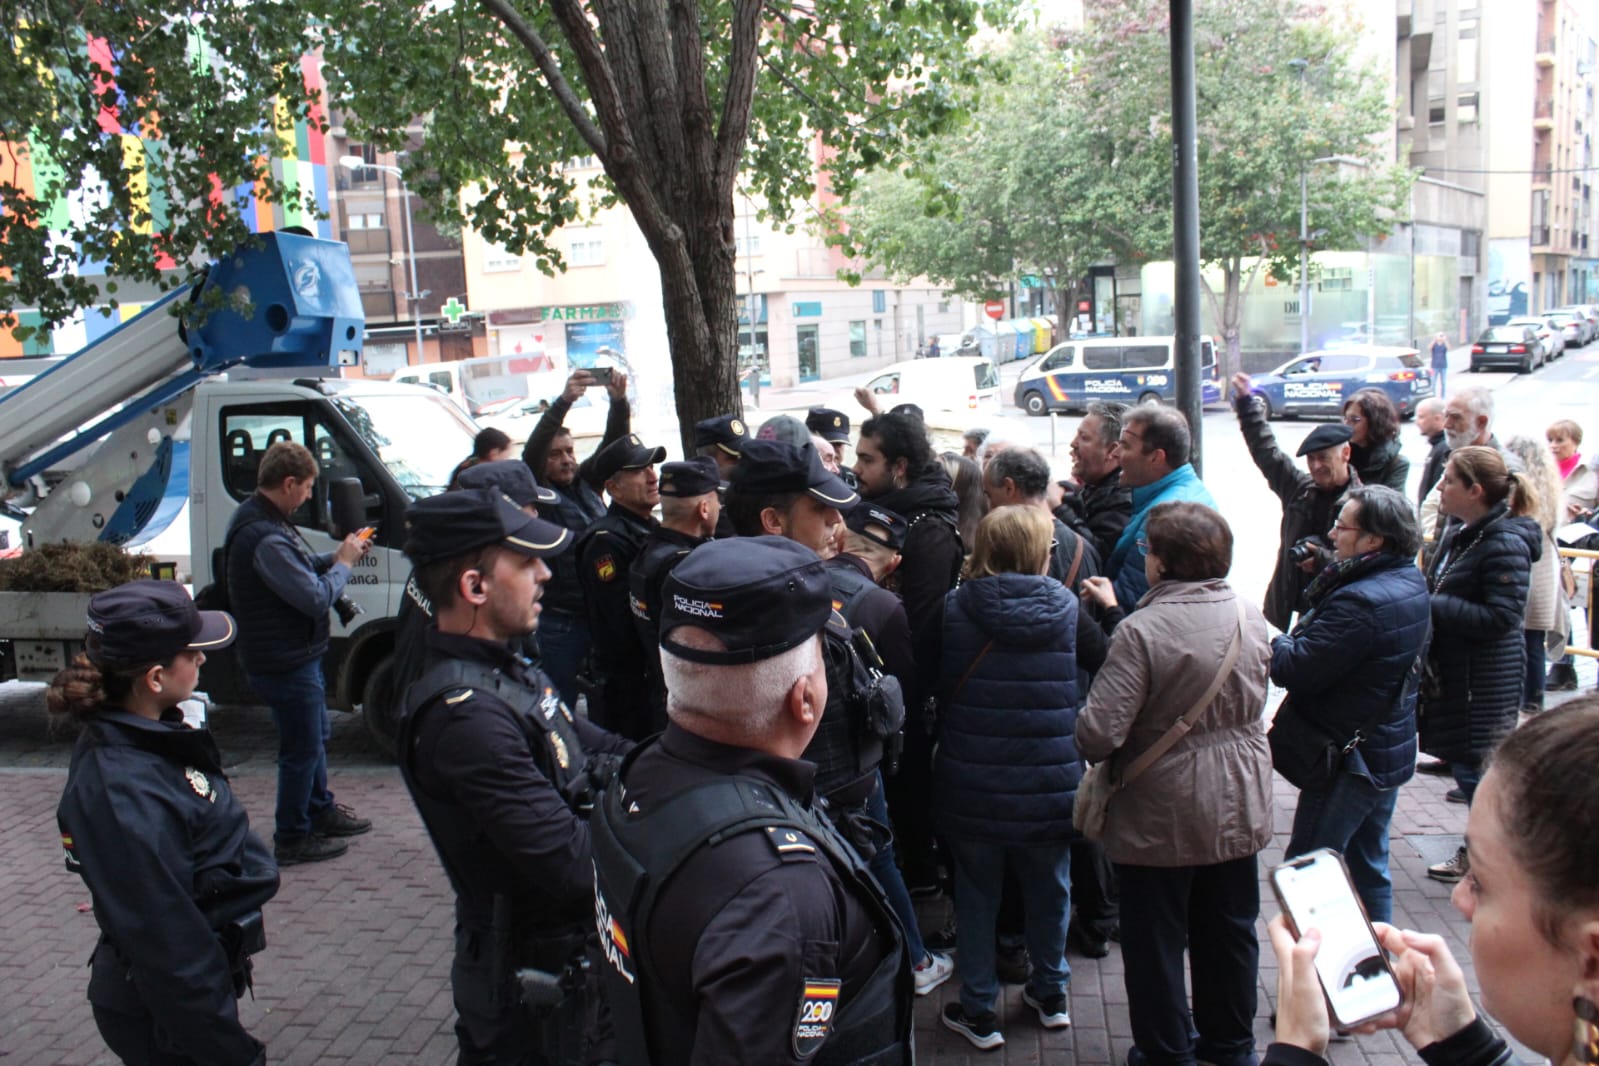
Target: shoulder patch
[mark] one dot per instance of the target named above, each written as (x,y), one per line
(813,1022)
(200,783)
(790,844)
(605,567)
(459,697)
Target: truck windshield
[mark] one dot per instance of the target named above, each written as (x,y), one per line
(419,437)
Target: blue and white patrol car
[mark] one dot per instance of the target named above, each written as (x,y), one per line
(1319,383)
(1070,376)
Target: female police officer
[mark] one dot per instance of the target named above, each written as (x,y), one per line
(148,820)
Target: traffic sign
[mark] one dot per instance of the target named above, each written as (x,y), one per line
(994,309)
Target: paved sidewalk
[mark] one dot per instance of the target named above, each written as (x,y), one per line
(356,968)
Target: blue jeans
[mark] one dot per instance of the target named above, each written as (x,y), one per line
(1438,375)
(1467,776)
(886,871)
(1351,816)
(300,712)
(1044,874)
(563,644)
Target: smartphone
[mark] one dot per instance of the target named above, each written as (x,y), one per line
(1315,892)
(366,532)
(601,374)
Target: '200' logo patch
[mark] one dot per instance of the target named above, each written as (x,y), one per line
(814,1021)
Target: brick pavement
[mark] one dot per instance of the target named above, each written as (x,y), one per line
(356,968)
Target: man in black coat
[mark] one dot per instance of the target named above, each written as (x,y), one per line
(1430,424)
(1099,506)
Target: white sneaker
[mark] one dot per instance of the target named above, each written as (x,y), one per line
(1052,1012)
(933,971)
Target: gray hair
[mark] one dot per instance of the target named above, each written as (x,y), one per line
(1386,513)
(1024,467)
(1539,467)
(739,703)
(1477,400)
(1110,415)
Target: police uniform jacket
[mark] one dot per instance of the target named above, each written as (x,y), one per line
(663,549)
(505,828)
(743,926)
(881,614)
(149,821)
(605,554)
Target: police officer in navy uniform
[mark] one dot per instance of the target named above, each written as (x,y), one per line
(502,773)
(736,925)
(615,679)
(149,821)
(721,438)
(832,426)
(690,509)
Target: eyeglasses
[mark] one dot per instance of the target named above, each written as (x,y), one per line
(1143,545)
(1353,420)
(1336,528)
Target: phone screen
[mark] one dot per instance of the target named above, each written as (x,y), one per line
(602,374)
(1316,892)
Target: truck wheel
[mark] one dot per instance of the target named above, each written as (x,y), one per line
(380,708)
(1033,403)
(1149,397)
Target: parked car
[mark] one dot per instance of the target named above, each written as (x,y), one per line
(1318,383)
(1550,336)
(1570,327)
(1517,347)
(1589,316)
(954,383)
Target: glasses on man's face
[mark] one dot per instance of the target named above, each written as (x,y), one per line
(1143,545)
(1337,528)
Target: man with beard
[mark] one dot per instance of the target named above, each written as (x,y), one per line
(1309,500)
(563,634)
(896,469)
(1100,505)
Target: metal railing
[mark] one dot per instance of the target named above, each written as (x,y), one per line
(1584,577)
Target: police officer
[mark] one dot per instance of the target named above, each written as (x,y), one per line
(737,926)
(690,508)
(150,823)
(832,426)
(605,552)
(721,438)
(501,772)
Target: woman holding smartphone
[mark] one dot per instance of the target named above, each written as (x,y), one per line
(1532,898)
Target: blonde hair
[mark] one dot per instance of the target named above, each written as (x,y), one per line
(1543,475)
(1479,465)
(1011,540)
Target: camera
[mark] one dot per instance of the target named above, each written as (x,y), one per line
(1304,550)
(347,609)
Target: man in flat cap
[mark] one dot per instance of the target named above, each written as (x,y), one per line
(502,774)
(832,426)
(690,509)
(551,455)
(721,438)
(737,926)
(1310,500)
(605,553)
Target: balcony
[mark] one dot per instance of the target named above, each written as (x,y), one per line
(1545,56)
(1539,237)
(1543,115)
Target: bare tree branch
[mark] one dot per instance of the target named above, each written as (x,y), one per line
(512,20)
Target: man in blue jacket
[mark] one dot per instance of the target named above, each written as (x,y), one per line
(1348,667)
(1155,449)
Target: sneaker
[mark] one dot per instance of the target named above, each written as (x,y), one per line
(980,1031)
(309,848)
(943,940)
(932,972)
(339,821)
(1455,795)
(1451,870)
(1051,1010)
(1562,678)
(1086,943)
(1436,766)
(1012,965)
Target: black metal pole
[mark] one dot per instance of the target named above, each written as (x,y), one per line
(1185,221)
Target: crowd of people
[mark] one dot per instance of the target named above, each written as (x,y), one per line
(691,738)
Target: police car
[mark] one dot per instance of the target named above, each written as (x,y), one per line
(1319,383)
(1072,375)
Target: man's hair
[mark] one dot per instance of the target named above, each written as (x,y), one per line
(901,437)
(739,703)
(1011,540)
(1386,513)
(977,434)
(1023,466)
(744,508)
(1111,415)
(874,553)
(440,580)
(1162,428)
(283,460)
(1565,427)
(1431,403)
(680,508)
(489,440)
(1478,401)
(1194,541)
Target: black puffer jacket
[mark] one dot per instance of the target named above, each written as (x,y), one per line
(1381,465)
(1476,661)
(931,557)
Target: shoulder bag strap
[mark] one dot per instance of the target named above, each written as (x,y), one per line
(1186,720)
(962,682)
(1077,560)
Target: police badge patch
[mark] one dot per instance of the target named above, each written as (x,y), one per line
(201,784)
(814,1021)
(605,567)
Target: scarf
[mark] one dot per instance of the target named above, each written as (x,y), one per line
(1338,573)
(1568,465)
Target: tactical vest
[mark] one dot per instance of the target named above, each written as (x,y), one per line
(635,855)
(850,589)
(627,535)
(545,721)
(865,710)
(578,508)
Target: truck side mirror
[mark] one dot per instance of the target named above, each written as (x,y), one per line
(347,506)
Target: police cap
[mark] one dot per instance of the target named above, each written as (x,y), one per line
(760,596)
(785,428)
(150,622)
(453,523)
(768,467)
(726,432)
(832,426)
(1326,435)
(691,477)
(877,523)
(510,476)
(625,453)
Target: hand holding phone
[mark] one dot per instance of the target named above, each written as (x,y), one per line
(600,374)
(366,532)
(1315,892)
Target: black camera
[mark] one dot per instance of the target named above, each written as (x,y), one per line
(347,609)
(1304,550)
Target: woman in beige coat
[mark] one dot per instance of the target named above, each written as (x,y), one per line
(1545,604)
(1184,835)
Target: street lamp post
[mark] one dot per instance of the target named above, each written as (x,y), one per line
(355,162)
(1299,66)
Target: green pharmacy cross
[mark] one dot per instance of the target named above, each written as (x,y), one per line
(453,310)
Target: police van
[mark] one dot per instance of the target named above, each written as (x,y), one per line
(1072,375)
(1319,383)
